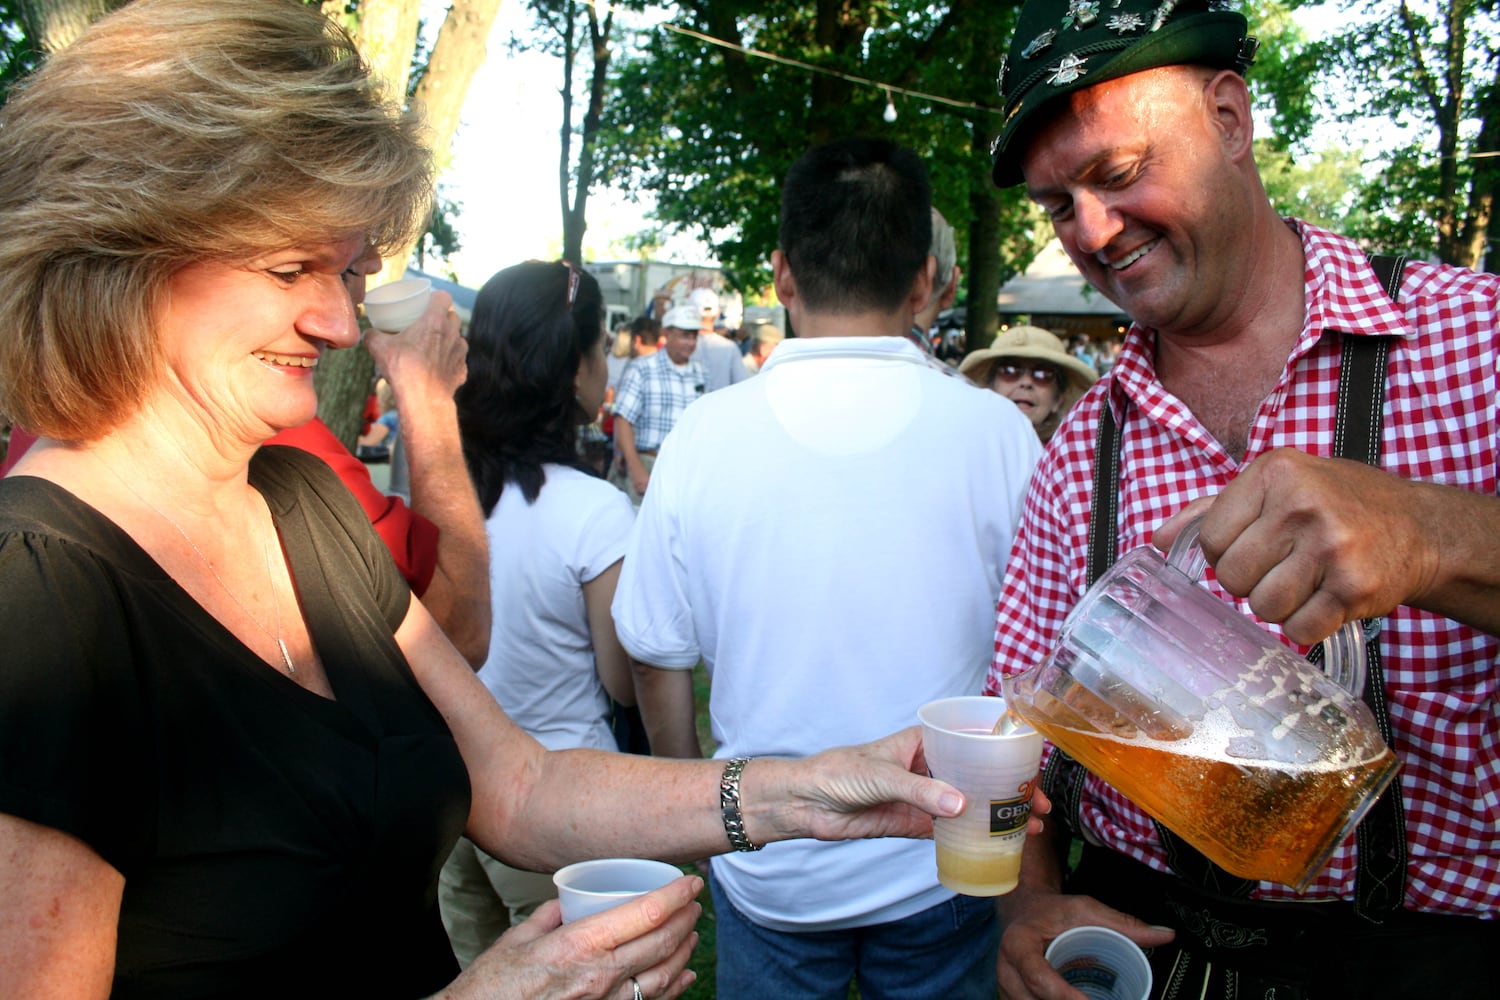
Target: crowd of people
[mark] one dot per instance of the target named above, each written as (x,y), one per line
(285,729)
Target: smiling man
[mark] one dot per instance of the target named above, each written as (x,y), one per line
(1130,124)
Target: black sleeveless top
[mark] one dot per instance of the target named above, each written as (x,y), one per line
(273,842)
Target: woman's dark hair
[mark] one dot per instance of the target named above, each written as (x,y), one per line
(517,410)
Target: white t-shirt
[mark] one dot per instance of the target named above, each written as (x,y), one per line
(541,663)
(836,568)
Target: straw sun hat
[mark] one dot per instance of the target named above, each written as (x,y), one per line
(1034,344)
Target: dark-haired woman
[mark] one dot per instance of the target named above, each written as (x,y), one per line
(537,374)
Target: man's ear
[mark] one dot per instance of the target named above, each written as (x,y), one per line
(950,291)
(1228,100)
(782,279)
(921,288)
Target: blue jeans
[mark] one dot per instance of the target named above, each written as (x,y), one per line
(947,952)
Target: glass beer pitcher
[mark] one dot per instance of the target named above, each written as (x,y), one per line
(1207,722)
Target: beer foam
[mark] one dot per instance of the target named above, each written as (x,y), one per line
(1216,733)
(1283,687)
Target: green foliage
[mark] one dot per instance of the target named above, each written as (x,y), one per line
(711,132)
(1283,72)
(441,240)
(1424,74)
(1326,188)
(1397,211)
(17,55)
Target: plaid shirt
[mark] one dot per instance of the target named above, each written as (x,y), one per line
(1441,424)
(652,395)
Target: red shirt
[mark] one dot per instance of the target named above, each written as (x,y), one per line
(412,539)
(1441,424)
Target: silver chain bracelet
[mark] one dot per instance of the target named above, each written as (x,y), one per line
(729,805)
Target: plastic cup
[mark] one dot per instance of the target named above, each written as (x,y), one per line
(590,887)
(1101,964)
(979,850)
(395,306)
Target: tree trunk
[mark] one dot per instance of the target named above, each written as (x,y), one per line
(53,25)
(575,219)
(1479,219)
(387,37)
(571,238)
(461,45)
(982,321)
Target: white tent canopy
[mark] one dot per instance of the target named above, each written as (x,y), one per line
(1052,286)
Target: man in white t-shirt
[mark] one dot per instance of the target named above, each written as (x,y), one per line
(834,570)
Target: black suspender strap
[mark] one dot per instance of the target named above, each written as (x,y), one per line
(1380,879)
(1104,506)
(1062,778)
(1381,874)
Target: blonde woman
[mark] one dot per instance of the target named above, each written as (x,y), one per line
(236,756)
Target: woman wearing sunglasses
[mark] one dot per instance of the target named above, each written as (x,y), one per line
(1030,367)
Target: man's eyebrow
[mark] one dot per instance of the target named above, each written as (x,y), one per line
(1085,170)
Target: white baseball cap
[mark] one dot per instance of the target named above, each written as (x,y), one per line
(705,300)
(682,318)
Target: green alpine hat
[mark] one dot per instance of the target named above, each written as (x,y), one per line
(1065,45)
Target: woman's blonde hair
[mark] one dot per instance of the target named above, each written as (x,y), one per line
(624,343)
(177,131)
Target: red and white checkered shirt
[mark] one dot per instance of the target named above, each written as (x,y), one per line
(1441,424)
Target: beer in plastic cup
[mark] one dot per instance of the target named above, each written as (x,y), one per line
(979,851)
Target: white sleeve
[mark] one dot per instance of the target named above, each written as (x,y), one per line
(653,616)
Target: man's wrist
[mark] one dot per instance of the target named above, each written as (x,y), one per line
(729,805)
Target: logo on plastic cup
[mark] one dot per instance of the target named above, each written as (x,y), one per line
(1009,816)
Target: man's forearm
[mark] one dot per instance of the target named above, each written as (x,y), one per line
(441,491)
(625,445)
(665,698)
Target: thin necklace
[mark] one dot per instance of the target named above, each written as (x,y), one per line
(286,657)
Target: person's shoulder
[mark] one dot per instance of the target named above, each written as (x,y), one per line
(635,369)
(287,476)
(574,482)
(47,533)
(309,436)
(1428,280)
(954,389)
(38,507)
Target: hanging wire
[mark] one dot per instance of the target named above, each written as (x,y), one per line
(603,5)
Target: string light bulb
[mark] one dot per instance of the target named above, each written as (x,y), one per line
(890,108)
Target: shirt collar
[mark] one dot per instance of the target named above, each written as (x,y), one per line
(1341,291)
(795,349)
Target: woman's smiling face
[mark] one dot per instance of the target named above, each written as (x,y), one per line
(242,341)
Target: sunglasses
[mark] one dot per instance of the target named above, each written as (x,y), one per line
(1012,373)
(574,276)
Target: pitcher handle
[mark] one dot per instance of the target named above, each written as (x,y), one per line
(1343,652)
